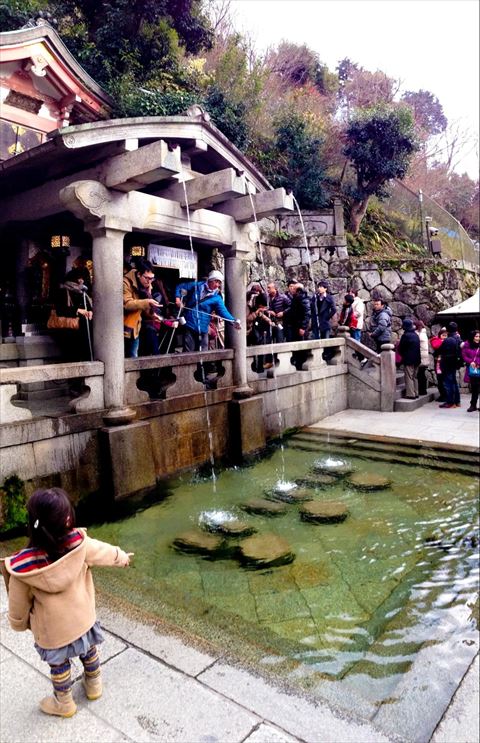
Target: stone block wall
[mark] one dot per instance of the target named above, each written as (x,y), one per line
(416,288)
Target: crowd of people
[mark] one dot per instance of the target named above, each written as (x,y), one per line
(193,320)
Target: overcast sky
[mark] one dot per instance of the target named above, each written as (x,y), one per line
(427,44)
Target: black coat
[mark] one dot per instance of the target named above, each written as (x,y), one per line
(409,348)
(299,313)
(279,303)
(450,354)
(322,312)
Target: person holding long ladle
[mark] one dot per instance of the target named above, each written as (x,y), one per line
(198,299)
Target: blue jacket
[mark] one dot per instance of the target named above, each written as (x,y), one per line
(199,296)
(381,325)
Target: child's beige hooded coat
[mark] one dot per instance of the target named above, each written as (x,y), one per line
(57,602)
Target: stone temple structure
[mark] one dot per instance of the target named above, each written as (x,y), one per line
(93,191)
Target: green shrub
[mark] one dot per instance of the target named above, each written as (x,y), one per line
(14,499)
(381,236)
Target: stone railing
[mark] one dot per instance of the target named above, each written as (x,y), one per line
(177,374)
(372,385)
(90,371)
(291,358)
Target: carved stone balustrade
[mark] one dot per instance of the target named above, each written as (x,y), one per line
(91,372)
(287,360)
(179,374)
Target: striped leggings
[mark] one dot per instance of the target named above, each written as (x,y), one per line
(61,675)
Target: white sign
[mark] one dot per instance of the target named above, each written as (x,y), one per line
(184,261)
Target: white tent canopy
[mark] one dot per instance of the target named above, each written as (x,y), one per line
(470,306)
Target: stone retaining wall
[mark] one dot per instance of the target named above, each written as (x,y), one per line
(417,288)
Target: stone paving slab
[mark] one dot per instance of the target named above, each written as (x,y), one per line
(425,692)
(21,721)
(268,734)
(429,424)
(462,720)
(165,647)
(310,721)
(148,701)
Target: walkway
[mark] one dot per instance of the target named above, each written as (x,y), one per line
(432,424)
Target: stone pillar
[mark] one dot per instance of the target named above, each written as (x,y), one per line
(105,215)
(339,225)
(388,378)
(108,340)
(21,263)
(235,288)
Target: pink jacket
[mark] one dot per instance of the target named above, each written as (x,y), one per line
(57,602)
(470,354)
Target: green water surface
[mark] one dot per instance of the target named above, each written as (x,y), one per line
(360,599)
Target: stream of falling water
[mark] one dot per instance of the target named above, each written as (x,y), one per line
(282,482)
(202,367)
(311,279)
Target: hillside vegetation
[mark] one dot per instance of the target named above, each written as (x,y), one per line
(345,132)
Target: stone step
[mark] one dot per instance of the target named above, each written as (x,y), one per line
(417,459)
(402,405)
(380,443)
(317,440)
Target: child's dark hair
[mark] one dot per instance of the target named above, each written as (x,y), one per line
(50,517)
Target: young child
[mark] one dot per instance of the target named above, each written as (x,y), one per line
(51,592)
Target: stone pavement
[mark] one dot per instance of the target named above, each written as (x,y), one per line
(429,424)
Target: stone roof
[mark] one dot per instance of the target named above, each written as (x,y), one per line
(75,148)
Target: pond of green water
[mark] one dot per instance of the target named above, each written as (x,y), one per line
(360,599)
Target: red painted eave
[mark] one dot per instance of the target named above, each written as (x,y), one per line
(63,69)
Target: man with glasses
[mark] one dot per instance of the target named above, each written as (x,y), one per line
(137,299)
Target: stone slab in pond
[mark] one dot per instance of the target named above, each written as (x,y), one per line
(295,495)
(340,469)
(233,528)
(368,481)
(318,480)
(321,512)
(264,507)
(265,550)
(199,542)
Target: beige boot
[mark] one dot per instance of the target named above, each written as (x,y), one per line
(61,705)
(93,686)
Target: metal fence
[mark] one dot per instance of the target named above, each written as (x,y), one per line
(414,213)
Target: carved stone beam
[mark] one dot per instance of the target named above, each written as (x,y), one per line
(91,201)
(42,201)
(206,190)
(134,170)
(266,203)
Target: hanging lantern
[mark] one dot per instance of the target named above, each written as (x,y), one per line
(137,251)
(60,242)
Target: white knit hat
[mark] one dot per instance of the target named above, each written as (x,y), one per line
(215,275)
